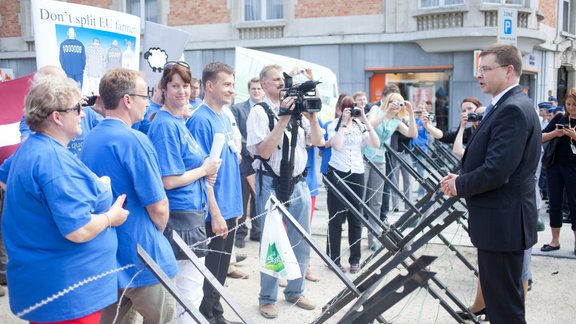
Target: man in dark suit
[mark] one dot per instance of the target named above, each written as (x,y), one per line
(241,112)
(498,182)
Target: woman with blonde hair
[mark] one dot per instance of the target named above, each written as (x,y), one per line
(59,219)
(385,121)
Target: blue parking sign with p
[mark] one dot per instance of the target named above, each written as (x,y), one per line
(507,26)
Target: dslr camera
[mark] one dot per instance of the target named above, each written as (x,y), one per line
(473,117)
(355,111)
(305,96)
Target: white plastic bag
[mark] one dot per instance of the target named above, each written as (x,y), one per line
(277,258)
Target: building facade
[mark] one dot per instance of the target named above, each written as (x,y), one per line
(426,46)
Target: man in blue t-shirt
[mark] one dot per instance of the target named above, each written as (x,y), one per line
(127,156)
(195,101)
(207,120)
(151,111)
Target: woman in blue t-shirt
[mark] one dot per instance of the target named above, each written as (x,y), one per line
(58,218)
(185,170)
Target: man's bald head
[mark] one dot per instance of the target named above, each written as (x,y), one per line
(52,70)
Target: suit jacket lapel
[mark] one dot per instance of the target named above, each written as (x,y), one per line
(515,90)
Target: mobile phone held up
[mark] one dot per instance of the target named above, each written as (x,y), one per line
(90,102)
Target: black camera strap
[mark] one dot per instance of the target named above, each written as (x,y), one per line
(285,181)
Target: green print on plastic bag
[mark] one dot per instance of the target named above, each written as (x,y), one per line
(273,259)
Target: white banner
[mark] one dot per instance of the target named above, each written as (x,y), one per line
(249,63)
(161,44)
(85,41)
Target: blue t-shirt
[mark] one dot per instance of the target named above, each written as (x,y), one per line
(422,139)
(50,195)
(129,159)
(24,129)
(144,125)
(5,167)
(91,120)
(178,152)
(326,151)
(197,102)
(311,179)
(204,124)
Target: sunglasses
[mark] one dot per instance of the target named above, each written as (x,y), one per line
(77,108)
(170,64)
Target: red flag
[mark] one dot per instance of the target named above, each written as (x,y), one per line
(13,94)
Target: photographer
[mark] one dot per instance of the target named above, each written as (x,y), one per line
(562,171)
(385,121)
(474,118)
(347,135)
(469,105)
(268,132)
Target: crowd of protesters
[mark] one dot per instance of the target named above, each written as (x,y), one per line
(90,183)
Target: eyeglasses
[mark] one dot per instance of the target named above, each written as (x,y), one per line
(77,108)
(170,64)
(145,97)
(484,69)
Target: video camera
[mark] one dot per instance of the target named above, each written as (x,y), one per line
(473,117)
(305,93)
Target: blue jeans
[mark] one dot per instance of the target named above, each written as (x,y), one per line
(420,170)
(300,207)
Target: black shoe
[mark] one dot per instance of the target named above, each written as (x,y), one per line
(548,248)
(467,316)
(222,320)
(341,268)
(240,257)
(529,284)
(240,244)
(255,238)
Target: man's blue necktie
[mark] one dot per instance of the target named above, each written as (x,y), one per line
(488,110)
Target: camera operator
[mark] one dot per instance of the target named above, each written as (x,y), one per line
(267,146)
(469,105)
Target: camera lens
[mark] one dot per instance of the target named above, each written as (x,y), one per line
(356,112)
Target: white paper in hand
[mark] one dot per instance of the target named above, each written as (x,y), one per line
(217,146)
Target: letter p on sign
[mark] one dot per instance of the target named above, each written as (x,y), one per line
(507,26)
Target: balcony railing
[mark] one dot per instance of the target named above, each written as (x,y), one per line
(440,20)
(491,19)
(261,32)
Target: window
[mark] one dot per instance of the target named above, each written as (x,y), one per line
(150,8)
(255,10)
(567,17)
(439,3)
(508,2)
